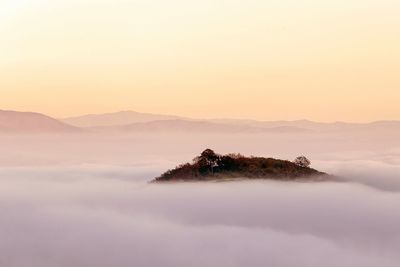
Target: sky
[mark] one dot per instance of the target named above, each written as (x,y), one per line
(269,60)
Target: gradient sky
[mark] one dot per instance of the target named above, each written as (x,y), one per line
(280,59)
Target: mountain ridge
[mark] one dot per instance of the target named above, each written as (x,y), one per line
(128,117)
(116,118)
(178,125)
(32,122)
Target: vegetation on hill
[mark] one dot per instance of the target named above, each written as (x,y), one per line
(212,166)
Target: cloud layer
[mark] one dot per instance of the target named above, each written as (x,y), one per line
(94,219)
(75,202)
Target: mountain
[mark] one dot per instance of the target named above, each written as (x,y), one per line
(317,126)
(131,120)
(116,119)
(165,126)
(30,122)
(212,166)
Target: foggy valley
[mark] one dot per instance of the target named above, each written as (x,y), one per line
(83,199)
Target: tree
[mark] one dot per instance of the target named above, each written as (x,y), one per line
(302,161)
(207,160)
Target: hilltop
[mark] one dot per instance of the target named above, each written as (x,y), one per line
(212,166)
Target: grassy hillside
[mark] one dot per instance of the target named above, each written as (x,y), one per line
(212,166)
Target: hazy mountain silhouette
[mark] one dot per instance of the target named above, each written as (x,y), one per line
(195,126)
(116,119)
(131,122)
(31,122)
(317,126)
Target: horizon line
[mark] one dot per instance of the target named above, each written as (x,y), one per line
(182,117)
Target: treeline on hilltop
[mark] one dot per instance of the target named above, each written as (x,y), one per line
(210,165)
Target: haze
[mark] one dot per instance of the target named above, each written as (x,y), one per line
(319,60)
(99,97)
(84,200)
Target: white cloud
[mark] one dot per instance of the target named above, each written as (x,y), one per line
(101,221)
(87,203)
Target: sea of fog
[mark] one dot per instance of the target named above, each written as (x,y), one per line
(85,200)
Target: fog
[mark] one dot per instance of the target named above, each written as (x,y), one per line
(85,200)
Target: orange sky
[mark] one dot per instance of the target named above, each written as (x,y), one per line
(278,59)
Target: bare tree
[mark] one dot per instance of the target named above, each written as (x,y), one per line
(302,161)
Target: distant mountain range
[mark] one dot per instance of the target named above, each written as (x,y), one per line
(135,122)
(191,126)
(316,126)
(116,119)
(30,122)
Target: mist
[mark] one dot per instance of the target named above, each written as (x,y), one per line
(85,200)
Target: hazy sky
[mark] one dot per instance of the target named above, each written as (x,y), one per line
(263,59)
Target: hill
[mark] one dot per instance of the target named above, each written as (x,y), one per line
(170,126)
(130,120)
(393,126)
(30,122)
(211,166)
(116,119)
